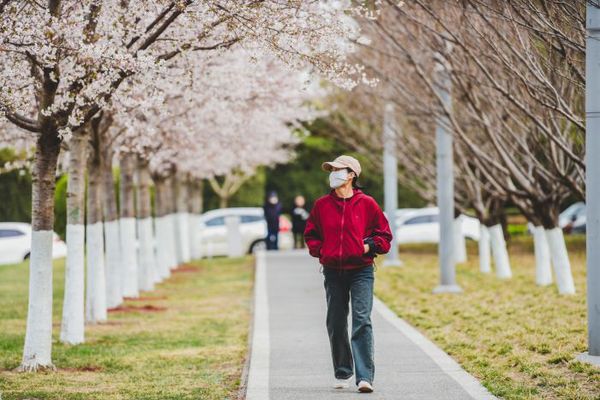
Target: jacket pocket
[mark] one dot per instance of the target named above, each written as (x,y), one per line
(353,251)
(329,254)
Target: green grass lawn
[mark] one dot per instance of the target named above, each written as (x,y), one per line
(185,340)
(519,339)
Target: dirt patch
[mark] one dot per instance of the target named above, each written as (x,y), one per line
(85,368)
(146,298)
(144,308)
(186,268)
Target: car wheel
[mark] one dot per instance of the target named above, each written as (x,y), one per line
(26,257)
(257,245)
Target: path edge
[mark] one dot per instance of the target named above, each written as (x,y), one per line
(446,363)
(257,379)
(241,392)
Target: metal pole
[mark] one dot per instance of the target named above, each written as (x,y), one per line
(592,103)
(390,181)
(445,188)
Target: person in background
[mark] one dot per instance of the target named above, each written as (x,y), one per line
(346,229)
(272,210)
(299,217)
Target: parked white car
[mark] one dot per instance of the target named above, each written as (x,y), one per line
(422,226)
(15,243)
(573,219)
(253,229)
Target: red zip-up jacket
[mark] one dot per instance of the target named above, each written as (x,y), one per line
(338,228)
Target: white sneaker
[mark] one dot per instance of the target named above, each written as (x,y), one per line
(341,383)
(365,387)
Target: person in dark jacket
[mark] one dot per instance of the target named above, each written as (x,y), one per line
(272,209)
(346,229)
(299,217)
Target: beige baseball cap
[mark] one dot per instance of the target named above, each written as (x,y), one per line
(343,162)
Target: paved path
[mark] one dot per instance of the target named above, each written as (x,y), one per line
(290,351)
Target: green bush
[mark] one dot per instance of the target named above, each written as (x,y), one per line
(15,191)
(517,230)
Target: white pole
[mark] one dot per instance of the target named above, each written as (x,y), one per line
(390,181)
(445,188)
(592,101)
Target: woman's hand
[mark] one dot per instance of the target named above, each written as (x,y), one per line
(366,248)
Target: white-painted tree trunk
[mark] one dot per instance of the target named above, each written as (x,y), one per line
(543,268)
(163,257)
(460,244)
(73,322)
(147,262)
(95,306)
(129,257)
(499,252)
(170,242)
(560,261)
(38,336)
(484,250)
(114,292)
(182,237)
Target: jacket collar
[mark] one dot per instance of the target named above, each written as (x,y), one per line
(357,194)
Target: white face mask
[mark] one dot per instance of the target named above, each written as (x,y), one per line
(338,178)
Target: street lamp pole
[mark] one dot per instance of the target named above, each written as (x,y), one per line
(445,186)
(592,107)
(390,181)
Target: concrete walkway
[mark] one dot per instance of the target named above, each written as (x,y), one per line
(291,359)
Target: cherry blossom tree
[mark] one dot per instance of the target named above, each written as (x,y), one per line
(63,60)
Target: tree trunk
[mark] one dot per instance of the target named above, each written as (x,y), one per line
(460,244)
(147,273)
(163,255)
(484,249)
(171,221)
(195,207)
(37,351)
(223,201)
(73,320)
(114,291)
(499,252)
(543,267)
(560,261)
(95,305)
(127,226)
(182,235)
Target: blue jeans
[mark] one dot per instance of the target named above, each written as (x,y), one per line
(341,287)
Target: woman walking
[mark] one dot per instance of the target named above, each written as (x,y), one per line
(346,229)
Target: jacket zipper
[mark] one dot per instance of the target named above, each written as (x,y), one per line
(342,232)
